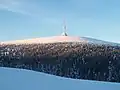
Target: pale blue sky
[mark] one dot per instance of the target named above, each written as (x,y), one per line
(20,19)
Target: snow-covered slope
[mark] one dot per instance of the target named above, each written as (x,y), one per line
(96,41)
(55,39)
(52,39)
(16,79)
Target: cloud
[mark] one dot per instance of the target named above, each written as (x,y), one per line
(13,6)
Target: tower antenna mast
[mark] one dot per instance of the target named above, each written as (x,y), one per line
(64,29)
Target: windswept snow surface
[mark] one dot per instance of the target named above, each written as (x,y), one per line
(18,79)
(96,41)
(55,39)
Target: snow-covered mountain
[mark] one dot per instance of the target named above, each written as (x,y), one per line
(52,39)
(18,79)
(55,39)
(96,41)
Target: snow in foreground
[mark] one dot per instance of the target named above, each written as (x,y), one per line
(15,79)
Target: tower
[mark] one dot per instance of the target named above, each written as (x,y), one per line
(64,30)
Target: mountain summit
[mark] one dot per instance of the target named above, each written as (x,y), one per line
(62,38)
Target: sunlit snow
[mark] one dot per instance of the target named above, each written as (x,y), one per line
(16,79)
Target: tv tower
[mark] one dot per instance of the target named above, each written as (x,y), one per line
(64,29)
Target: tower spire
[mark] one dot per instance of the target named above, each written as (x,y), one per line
(64,30)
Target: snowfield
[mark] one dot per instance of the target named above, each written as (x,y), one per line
(55,39)
(19,79)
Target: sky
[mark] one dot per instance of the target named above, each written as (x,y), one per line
(23,19)
(16,79)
